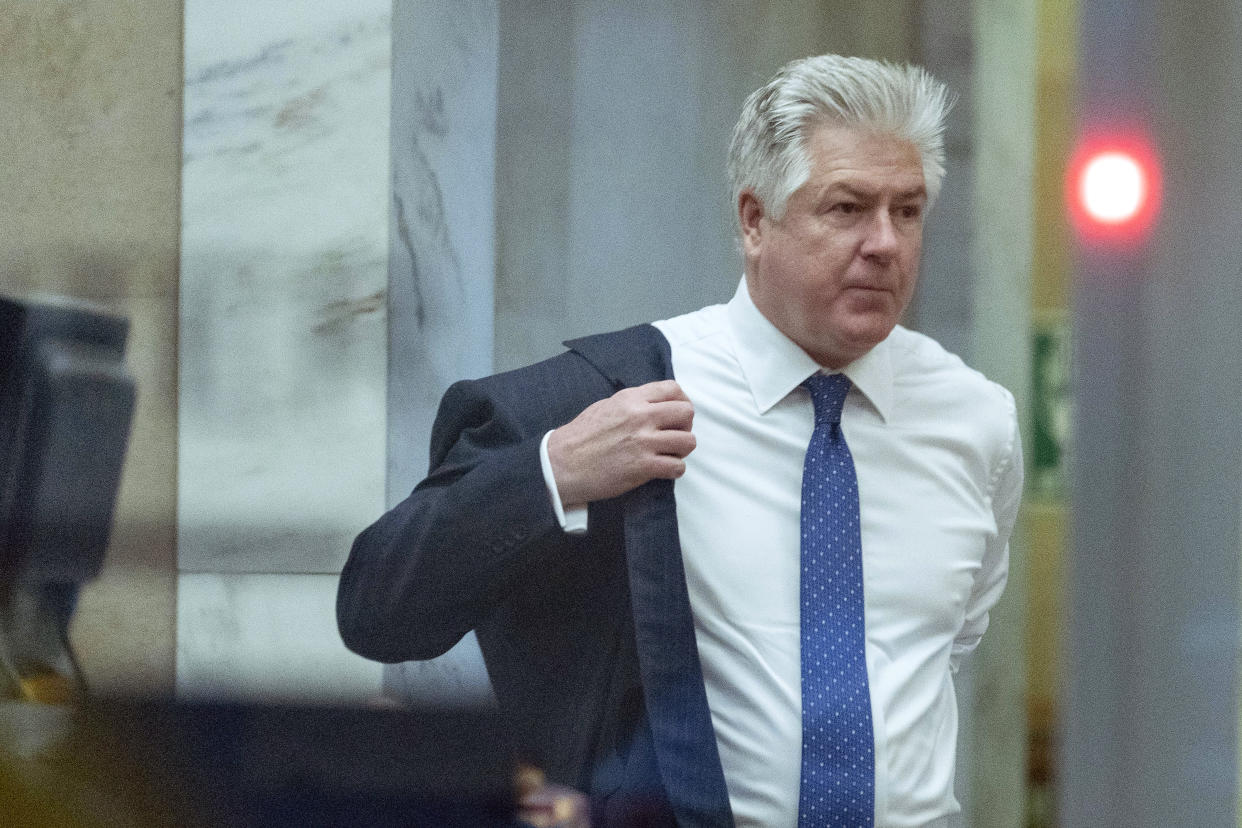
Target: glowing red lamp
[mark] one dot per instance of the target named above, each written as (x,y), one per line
(1114,188)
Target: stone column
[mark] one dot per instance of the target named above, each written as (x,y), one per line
(441,266)
(1004,124)
(1152,666)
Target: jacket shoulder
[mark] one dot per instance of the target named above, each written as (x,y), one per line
(631,356)
(550,393)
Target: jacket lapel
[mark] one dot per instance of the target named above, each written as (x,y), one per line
(685,740)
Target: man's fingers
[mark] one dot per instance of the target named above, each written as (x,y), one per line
(678,414)
(665,467)
(671,443)
(664,402)
(621,442)
(661,390)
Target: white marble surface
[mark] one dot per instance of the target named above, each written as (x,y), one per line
(283,282)
(442,250)
(442,259)
(266,637)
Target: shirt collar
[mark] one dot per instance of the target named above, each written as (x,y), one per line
(774,365)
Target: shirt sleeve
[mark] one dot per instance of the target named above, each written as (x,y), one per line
(1006,495)
(573,521)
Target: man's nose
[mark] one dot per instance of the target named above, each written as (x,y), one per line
(881,239)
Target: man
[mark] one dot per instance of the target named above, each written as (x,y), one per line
(768,640)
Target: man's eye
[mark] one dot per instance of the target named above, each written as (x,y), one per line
(910,211)
(846,207)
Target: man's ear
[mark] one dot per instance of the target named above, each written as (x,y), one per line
(750,215)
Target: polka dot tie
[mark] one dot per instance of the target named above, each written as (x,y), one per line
(838,747)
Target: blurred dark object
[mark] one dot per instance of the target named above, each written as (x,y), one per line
(66,402)
(178,764)
(542,804)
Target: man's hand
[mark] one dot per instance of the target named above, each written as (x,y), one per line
(617,444)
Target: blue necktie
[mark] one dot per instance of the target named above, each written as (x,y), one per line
(838,745)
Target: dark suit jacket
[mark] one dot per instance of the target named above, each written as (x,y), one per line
(588,640)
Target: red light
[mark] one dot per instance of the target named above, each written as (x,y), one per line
(1114,188)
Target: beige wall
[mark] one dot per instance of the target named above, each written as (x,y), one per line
(91,99)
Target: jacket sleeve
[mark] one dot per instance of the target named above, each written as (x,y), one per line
(432,567)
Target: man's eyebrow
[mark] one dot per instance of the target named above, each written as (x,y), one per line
(864,193)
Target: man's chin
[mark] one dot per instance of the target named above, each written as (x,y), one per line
(858,342)
(849,345)
(862,333)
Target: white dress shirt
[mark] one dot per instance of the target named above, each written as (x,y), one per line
(939,465)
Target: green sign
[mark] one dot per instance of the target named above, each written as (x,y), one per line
(1052,418)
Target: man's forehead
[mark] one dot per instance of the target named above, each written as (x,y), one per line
(865,161)
(820,132)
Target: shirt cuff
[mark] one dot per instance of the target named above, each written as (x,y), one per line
(573,521)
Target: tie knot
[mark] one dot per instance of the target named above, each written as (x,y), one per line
(828,393)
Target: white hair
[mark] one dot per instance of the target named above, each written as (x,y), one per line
(768,155)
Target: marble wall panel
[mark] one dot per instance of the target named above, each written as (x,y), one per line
(442,228)
(282,338)
(283,282)
(442,259)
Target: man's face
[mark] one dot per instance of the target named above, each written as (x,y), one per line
(837,270)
